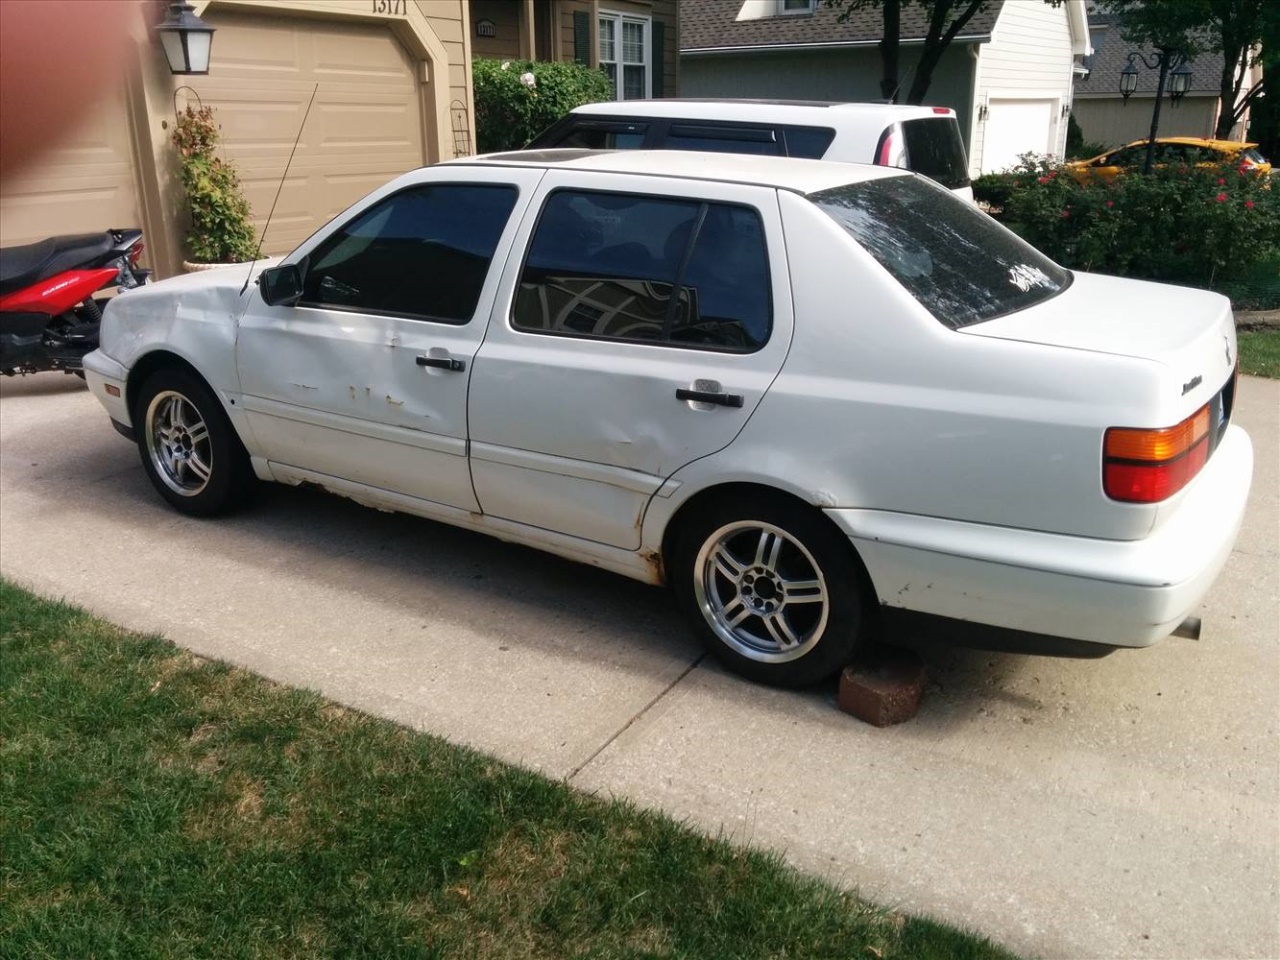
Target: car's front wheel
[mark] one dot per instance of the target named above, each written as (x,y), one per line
(189,448)
(772,587)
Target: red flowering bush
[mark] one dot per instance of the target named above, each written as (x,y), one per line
(1199,226)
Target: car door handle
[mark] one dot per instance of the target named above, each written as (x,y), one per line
(703,396)
(444,363)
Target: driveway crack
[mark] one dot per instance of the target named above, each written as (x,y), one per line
(636,716)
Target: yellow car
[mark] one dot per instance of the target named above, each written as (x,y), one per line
(1175,150)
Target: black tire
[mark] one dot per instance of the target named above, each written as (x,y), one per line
(798,593)
(189,449)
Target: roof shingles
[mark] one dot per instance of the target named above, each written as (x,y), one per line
(713,24)
(1111,52)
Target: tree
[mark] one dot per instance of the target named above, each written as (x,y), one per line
(946,19)
(1264,118)
(1236,29)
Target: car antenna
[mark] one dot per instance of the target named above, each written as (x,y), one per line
(266,226)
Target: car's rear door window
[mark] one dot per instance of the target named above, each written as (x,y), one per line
(961,265)
(421,253)
(934,148)
(647,269)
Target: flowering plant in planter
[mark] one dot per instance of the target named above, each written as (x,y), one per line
(221,231)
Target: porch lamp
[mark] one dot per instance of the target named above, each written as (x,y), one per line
(186,39)
(1172,64)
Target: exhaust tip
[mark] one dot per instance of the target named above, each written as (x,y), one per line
(1189,629)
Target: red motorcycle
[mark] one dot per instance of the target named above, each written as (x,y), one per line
(49,315)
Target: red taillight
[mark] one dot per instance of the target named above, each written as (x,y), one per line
(886,150)
(135,252)
(941,109)
(1147,466)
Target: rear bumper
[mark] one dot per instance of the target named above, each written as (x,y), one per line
(1127,593)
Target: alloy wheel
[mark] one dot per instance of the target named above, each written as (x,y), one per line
(761,591)
(178,443)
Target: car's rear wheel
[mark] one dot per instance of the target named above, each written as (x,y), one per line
(773,588)
(189,449)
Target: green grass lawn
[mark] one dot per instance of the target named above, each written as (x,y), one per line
(153,804)
(1260,353)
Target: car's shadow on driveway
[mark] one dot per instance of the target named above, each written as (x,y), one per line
(446,577)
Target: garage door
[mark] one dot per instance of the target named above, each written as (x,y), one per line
(364,128)
(82,185)
(1014,127)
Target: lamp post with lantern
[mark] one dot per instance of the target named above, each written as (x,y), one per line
(187,40)
(1172,64)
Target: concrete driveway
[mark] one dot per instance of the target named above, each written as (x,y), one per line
(1125,807)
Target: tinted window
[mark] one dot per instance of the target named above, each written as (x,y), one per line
(934,149)
(958,262)
(611,137)
(725,301)
(1253,156)
(646,269)
(423,252)
(717,139)
(808,142)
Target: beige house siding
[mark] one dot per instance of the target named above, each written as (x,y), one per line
(1109,121)
(505,16)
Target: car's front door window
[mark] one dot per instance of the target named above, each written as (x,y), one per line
(422,253)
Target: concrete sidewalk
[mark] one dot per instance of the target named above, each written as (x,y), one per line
(1125,807)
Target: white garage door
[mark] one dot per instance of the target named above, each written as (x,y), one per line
(364,128)
(1015,127)
(82,185)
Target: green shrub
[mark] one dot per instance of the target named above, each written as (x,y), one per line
(993,189)
(1204,226)
(518,99)
(221,231)
(1078,148)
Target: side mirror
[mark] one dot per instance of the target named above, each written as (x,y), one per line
(281,286)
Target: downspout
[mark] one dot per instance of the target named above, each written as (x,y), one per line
(556,33)
(594,33)
(528,40)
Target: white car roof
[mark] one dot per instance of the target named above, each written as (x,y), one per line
(783,173)
(764,111)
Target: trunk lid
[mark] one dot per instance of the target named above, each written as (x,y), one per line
(1191,333)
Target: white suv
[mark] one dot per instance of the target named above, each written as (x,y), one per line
(923,139)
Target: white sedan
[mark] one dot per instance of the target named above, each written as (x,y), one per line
(798,392)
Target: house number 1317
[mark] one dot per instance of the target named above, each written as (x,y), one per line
(395,8)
